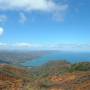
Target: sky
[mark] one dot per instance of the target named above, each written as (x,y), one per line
(45,24)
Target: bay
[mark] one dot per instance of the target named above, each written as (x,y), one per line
(72,57)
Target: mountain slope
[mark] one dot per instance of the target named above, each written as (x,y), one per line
(56,75)
(12,78)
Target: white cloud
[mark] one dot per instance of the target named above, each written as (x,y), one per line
(1,31)
(4,46)
(49,6)
(42,5)
(30,46)
(23,45)
(62,47)
(72,47)
(23,18)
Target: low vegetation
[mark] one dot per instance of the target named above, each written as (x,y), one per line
(55,75)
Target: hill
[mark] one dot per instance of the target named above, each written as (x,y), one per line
(18,57)
(12,78)
(55,75)
(62,76)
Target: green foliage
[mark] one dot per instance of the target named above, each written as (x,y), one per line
(84,66)
(7,72)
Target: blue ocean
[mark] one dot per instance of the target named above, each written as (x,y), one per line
(72,57)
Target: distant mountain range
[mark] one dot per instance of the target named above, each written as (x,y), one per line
(17,57)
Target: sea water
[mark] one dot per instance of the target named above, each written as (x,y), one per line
(72,57)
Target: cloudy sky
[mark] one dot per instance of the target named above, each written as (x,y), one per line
(45,24)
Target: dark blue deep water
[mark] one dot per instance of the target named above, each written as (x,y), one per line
(73,57)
